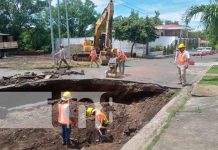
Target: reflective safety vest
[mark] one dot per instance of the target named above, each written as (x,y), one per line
(121,55)
(102,118)
(93,54)
(182,58)
(65,114)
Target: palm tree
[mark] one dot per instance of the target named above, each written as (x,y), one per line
(209,16)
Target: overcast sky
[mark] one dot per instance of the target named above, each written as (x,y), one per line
(169,9)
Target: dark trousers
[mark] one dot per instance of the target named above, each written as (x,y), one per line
(65,133)
(65,61)
(121,65)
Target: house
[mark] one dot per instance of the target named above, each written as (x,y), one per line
(170,30)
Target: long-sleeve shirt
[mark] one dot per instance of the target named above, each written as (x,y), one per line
(61,53)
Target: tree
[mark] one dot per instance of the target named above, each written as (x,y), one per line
(171,22)
(209,18)
(156,18)
(82,18)
(135,29)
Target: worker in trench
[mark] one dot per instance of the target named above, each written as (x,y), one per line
(62,56)
(65,118)
(94,57)
(101,122)
(182,59)
(121,59)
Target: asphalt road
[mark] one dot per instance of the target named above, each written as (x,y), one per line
(158,71)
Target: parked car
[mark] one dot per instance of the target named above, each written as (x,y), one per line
(209,50)
(201,51)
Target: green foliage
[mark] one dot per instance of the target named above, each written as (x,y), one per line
(171,22)
(213,69)
(157,48)
(82,18)
(169,49)
(28,21)
(209,80)
(134,29)
(209,18)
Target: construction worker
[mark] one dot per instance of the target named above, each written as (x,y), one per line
(62,57)
(182,59)
(121,59)
(94,57)
(65,117)
(101,120)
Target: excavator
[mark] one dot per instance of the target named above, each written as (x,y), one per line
(102,40)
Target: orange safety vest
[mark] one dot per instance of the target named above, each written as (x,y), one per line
(102,118)
(181,58)
(64,114)
(93,54)
(121,55)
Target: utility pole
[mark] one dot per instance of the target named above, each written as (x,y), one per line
(52,32)
(59,24)
(67,22)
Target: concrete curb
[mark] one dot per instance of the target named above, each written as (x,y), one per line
(145,136)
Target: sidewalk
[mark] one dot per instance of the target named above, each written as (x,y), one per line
(195,126)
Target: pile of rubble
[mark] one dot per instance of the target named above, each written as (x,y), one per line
(32,76)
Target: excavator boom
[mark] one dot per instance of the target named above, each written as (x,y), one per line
(106,20)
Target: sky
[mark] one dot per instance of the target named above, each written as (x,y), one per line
(169,9)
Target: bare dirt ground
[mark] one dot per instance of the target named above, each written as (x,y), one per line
(128,119)
(34,62)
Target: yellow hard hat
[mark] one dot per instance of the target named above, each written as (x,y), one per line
(181,46)
(89,111)
(66,96)
(112,50)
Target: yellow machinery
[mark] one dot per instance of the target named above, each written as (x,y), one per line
(101,40)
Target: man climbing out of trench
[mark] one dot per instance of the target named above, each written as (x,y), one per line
(121,59)
(62,57)
(65,118)
(101,122)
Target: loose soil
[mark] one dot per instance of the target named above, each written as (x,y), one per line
(128,119)
(134,105)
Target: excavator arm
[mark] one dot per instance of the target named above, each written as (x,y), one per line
(105,20)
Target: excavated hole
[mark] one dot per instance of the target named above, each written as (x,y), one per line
(135,104)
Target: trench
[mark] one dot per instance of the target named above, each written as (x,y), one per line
(134,105)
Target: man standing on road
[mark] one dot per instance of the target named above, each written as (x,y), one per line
(182,59)
(94,57)
(62,57)
(65,118)
(121,59)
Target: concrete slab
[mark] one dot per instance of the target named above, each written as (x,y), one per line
(205,90)
(195,127)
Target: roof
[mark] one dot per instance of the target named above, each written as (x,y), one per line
(204,42)
(170,27)
(4,34)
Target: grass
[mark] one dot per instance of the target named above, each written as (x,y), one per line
(213,69)
(197,110)
(168,121)
(209,80)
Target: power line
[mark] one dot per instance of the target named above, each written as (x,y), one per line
(130,7)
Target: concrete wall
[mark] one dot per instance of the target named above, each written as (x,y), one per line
(139,49)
